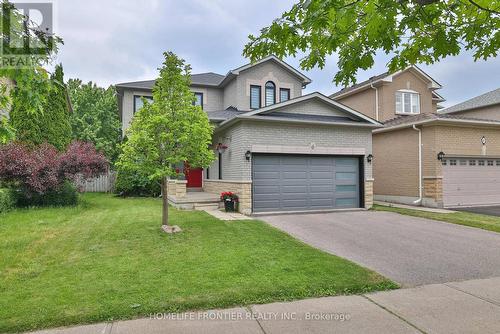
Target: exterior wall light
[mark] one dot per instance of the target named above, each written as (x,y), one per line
(221,148)
(248,155)
(369,158)
(441,156)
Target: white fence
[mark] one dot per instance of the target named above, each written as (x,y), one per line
(101,184)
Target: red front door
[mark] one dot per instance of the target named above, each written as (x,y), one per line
(194,176)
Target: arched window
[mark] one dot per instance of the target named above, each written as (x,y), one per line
(270,93)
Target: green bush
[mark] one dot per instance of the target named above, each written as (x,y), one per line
(65,196)
(130,183)
(7,200)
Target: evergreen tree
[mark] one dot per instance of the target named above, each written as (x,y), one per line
(52,125)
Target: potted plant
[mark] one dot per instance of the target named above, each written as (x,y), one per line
(230,201)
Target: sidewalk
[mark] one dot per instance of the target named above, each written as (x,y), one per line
(463,307)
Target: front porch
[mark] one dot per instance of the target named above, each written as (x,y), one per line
(179,196)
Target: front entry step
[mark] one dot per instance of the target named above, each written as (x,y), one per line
(196,201)
(206,206)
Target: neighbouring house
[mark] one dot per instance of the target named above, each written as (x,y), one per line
(277,149)
(425,155)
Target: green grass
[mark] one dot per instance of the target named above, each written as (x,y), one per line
(490,223)
(108,259)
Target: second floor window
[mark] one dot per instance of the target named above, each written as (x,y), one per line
(199,99)
(284,94)
(407,103)
(270,93)
(254,97)
(138,102)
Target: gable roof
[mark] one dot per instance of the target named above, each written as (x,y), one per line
(233,73)
(386,77)
(272,114)
(484,100)
(211,79)
(408,121)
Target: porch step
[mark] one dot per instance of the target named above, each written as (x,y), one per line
(206,206)
(194,190)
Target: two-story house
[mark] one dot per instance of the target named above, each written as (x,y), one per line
(427,156)
(277,149)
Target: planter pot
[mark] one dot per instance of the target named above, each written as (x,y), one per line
(229,206)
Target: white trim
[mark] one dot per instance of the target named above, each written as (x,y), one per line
(311,149)
(412,93)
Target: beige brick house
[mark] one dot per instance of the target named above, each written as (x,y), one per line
(424,155)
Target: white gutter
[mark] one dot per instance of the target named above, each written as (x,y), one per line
(420,188)
(376,101)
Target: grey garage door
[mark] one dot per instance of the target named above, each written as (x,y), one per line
(300,182)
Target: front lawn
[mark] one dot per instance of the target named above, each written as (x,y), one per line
(484,222)
(108,259)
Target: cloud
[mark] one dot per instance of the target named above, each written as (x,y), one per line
(123,40)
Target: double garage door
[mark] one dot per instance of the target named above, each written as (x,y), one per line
(302,183)
(471,182)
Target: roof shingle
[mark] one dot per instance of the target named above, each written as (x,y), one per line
(484,100)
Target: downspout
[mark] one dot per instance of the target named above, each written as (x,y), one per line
(376,101)
(420,188)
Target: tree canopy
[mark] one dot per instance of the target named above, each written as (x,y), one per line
(412,31)
(169,131)
(95,116)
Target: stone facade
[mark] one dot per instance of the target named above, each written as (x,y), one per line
(368,194)
(176,188)
(241,188)
(433,191)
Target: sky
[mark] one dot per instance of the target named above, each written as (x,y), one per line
(113,41)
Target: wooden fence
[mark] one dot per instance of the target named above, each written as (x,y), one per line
(101,184)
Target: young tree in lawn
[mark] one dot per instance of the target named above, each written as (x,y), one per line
(169,131)
(412,31)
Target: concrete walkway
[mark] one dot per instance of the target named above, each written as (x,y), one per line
(464,307)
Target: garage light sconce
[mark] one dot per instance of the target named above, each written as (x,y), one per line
(248,155)
(369,158)
(441,156)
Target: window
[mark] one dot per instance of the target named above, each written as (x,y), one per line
(270,93)
(138,102)
(480,162)
(199,99)
(444,163)
(284,94)
(472,162)
(254,97)
(407,103)
(453,162)
(463,162)
(490,162)
(498,162)
(208,173)
(220,166)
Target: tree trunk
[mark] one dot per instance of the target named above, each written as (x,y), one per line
(164,194)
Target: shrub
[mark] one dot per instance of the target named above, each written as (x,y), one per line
(133,183)
(7,200)
(43,173)
(66,195)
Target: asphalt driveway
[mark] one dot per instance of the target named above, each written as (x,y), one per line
(409,250)
(484,210)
